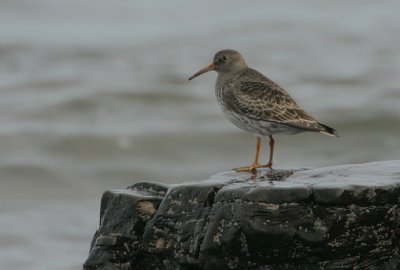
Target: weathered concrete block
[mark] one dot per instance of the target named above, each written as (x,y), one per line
(342,217)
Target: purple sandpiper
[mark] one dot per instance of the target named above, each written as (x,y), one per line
(253,102)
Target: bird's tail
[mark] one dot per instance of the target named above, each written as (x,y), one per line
(328,130)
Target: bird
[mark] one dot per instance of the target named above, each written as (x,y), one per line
(258,105)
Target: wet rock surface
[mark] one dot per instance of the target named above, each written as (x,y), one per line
(342,217)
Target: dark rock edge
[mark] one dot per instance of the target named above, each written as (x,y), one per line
(232,223)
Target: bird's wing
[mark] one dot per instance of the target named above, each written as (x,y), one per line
(265,100)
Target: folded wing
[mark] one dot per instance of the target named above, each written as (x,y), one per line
(265,100)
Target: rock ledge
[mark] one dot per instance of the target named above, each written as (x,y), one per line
(342,217)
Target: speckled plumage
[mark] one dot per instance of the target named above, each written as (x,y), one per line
(253,102)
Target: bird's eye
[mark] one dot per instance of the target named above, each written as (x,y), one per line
(222,59)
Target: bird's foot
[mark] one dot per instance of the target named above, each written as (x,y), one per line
(268,165)
(251,168)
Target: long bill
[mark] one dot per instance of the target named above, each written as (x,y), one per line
(203,70)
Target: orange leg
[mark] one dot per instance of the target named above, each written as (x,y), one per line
(256,163)
(271,153)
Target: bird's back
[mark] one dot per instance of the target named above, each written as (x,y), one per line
(257,104)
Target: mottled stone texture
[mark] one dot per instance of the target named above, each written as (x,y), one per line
(343,217)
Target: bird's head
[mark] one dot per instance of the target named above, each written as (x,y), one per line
(225,61)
